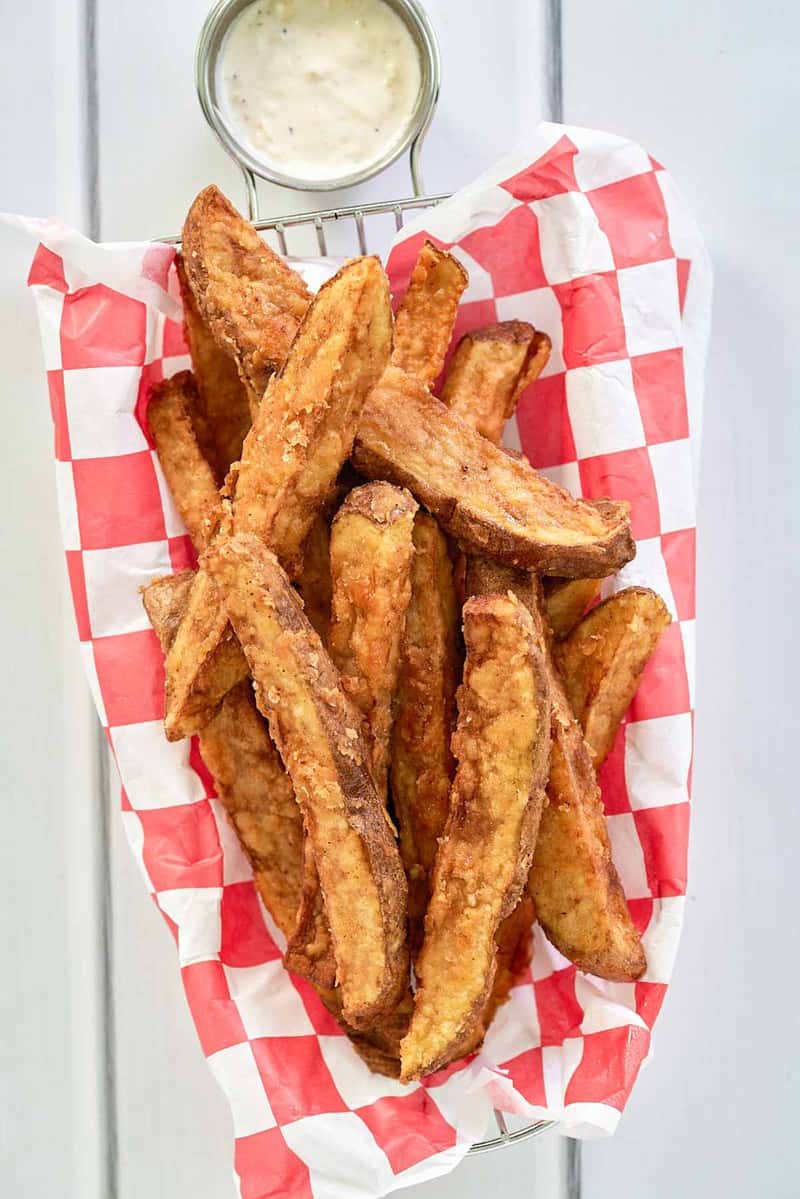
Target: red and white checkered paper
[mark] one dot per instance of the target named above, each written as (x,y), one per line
(586,236)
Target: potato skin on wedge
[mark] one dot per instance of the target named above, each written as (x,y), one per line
(490,502)
(427,313)
(319,735)
(602,660)
(579,900)
(251,300)
(502,744)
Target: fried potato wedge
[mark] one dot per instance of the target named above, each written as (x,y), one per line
(306,424)
(221,414)
(489,501)
(188,473)
(314,581)
(489,371)
(579,900)
(422,762)
(602,659)
(426,315)
(302,434)
(250,299)
(248,774)
(566,600)
(502,744)
(371,554)
(318,733)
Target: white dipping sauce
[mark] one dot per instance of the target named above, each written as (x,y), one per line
(318,89)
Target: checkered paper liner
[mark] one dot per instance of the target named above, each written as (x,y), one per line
(586,236)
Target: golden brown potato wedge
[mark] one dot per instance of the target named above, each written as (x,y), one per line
(291,457)
(602,659)
(221,415)
(489,371)
(248,774)
(579,901)
(421,759)
(502,744)
(188,474)
(566,600)
(514,948)
(250,299)
(490,502)
(305,427)
(371,553)
(318,733)
(426,315)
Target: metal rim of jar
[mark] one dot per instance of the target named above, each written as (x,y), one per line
(209,44)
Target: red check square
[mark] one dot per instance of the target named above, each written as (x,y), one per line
(408,1128)
(664,687)
(118,501)
(47,270)
(246,940)
(58,411)
(545,432)
(591,312)
(664,837)
(649,998)
(659,384)
(296,1078)
(551,175)
(611,777)
(101,327)
(174,339)
(510,252)
(527,1074)
(609,1066)
(560,1014)
(152,372)
(679,555)
(633,216)
(130,673)
(181,847)
(77,584)
(626,475)
(215,1015)
(268,1169)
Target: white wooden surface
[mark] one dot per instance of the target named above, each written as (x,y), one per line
(711,90)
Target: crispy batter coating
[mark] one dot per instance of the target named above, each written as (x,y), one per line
(489,371)
(250,299)
(426,315)
(602,660)
(422,762)
(302,434)
(248,774)
(489,501)
(318,733)
(314,582)
(188,474)
(371,554)
(306,424)
(579,901)
(566,600)
(221,414)
(502,745)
